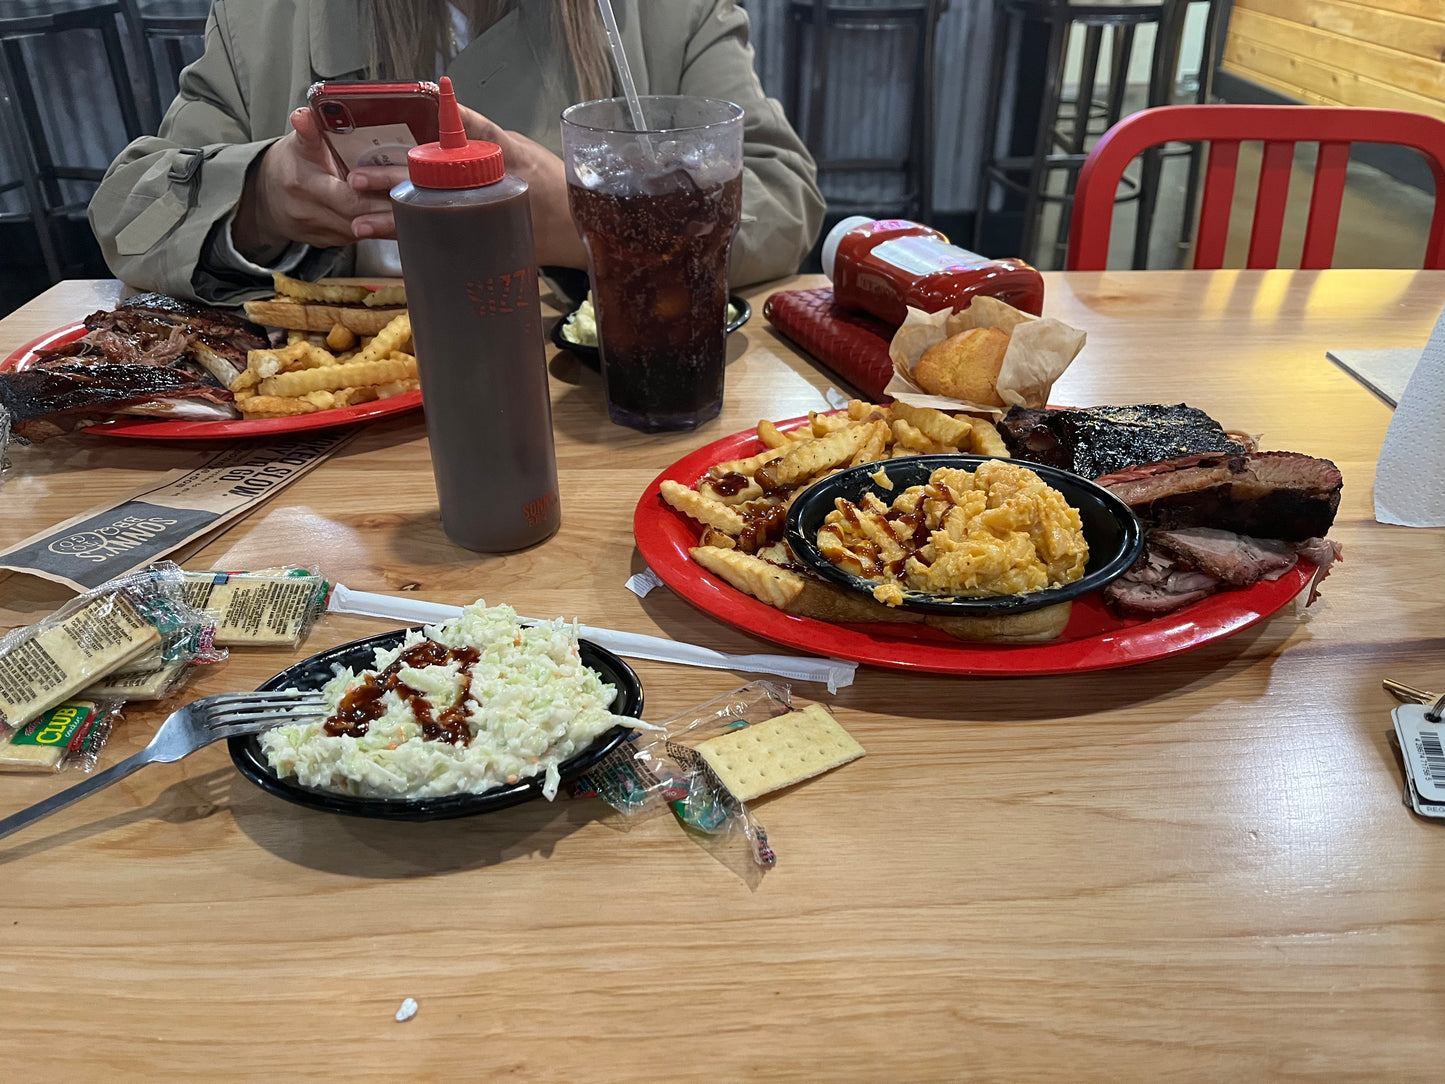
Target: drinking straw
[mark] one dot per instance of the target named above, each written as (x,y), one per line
(624,71)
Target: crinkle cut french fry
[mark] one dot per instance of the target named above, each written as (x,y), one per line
(275,406)
(345,397)
(984,439)
(385,296)
(772,436)
(937,426)
(329,377)
(392,337)
(911,437)
(705,510)
(286,286)
(397,387)
(341,337)
(246,381)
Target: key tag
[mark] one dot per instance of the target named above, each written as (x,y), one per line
(1421,731)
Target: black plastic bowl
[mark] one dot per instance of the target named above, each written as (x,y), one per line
(1111,529)
(592,358)
(316,671)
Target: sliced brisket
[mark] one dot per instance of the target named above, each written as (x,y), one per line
(1236,559)
(1266,495)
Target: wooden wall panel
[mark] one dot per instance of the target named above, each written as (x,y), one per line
(1388,53)
(1326,82)
(1391,67)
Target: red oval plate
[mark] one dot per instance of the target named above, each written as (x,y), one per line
(1095,638)
(159,429)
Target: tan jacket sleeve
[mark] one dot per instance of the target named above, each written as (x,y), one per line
(154,211)
(782,206)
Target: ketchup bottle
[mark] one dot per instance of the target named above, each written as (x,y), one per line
(465,231)
(884,266)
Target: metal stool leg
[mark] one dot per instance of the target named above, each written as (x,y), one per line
(1202,95)
(17,152)
(1120,54)
(1048,121)
(120,79)
(1002,45)
(1083,107)
(924,113)
(154,104)
(24,99)
(1162,81)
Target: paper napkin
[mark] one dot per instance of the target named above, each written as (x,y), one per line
(1410,475)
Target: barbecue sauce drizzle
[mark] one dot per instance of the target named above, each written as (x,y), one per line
(362,706)
(909,528)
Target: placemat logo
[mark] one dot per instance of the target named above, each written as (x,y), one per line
(103,543)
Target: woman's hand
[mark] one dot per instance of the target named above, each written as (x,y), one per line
(556,238)
(293,193)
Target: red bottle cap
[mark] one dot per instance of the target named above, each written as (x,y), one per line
(456,161)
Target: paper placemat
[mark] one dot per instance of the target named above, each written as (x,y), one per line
(1384,372)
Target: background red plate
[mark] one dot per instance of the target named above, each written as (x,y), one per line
(160,429)
(1095,638)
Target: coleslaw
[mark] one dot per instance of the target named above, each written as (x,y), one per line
(463,707)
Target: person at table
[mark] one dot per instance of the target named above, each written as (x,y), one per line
(239,183)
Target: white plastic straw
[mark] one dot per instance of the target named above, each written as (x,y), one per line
(835,673)
(624,72)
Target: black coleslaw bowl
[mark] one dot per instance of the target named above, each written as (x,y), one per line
(316,671)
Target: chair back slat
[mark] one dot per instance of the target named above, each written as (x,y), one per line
(1213,231)
(1224,127)
(1331,165)
(1269,203)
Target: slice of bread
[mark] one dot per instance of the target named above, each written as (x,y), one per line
(316,316)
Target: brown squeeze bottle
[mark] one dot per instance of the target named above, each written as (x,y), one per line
(465,232)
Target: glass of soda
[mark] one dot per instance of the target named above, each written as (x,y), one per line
(657,211)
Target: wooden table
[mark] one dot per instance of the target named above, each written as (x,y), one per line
(1196,867)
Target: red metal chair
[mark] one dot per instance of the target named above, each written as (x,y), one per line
(1280,127)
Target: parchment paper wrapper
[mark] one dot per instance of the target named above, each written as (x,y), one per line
(1040,349)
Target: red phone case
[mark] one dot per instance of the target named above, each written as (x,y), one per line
(341,109)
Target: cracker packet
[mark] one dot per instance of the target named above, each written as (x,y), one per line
(661,770)
(109,629)
(69,735)
(1039,350)
(270,607)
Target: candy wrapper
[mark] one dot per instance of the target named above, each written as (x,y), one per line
(660,770)
(108,630)
(69,735)
(270,607)
(1039,350)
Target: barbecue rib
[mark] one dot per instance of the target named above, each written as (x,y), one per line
(1101,440)
(152,329)
(45,402)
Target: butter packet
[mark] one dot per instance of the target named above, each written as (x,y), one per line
(102,632)
(272,607)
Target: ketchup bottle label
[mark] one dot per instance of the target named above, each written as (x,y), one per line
(927,255)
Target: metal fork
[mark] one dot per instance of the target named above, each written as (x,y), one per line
(193,727)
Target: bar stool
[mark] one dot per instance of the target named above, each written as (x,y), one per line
(1056,148)
(40,173)
(172,23)
(821,19)
(1164,90)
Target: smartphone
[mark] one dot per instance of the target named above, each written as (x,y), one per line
(374,124)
